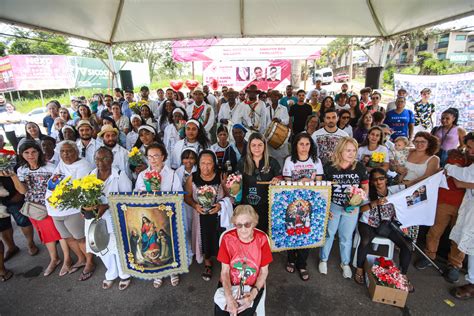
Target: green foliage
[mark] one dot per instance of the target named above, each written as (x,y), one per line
(38,43)
(3,49)
(388,75)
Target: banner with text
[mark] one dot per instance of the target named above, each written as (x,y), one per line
(446,91)
(243,49)
(7,82)
(272,74)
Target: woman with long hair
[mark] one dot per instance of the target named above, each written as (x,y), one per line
(303,166)
(312,124)
(374,145)
(166,115)
(450,135)
(328,103)
(344,121)
(354,109)
(122,121)
(148,117)
(195,136)
(363,126)
(372,216)
(258,170)
(85,113)
(344,171)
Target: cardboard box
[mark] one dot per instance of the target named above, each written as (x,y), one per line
(383,294)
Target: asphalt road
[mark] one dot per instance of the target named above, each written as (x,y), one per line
(29,293)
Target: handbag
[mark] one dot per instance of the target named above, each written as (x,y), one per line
(384,228)
(35,211)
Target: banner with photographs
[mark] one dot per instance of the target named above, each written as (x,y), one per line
(298,216)
(149,230)
(447,91)
(273,74)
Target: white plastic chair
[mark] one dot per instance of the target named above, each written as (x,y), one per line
(377,241)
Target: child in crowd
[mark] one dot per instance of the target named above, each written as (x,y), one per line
(400,153)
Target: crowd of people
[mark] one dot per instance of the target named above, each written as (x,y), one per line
(199,139)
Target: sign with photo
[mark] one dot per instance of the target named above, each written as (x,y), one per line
(150,233)
(298,216)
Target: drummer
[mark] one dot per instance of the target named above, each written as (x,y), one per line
(115,181)
(277,114)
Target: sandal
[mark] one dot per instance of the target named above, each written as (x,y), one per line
(50,268)
(123,284)
(304,275)
(463,292)
(207,274)
(157,283)
(6,276)
(107,284)
(359,278)
(86,275)
(174,279)
(290,267)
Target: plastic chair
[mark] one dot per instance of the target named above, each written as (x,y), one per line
(377,241)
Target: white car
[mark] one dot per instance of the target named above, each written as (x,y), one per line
(36,115)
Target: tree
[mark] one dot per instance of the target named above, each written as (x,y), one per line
(3,49)
(38,43)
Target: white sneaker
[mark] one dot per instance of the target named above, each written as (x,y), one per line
(323,267)
(346,271)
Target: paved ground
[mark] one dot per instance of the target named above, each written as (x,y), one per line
(28,293)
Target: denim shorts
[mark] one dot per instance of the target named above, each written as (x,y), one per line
(20,219)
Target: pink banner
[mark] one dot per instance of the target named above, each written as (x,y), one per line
(242,49)
(275,74)
(7,82)
(38,72)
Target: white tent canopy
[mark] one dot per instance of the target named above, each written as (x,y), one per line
(118,21)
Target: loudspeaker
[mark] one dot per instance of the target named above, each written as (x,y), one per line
(373,77)
(126,79)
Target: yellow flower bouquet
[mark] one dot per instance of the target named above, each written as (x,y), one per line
(376,159)
(80,193)
(135,157)
(136,106)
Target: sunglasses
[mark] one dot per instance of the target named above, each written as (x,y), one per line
(240,225)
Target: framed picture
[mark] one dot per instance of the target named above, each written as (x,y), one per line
(298,216)
(149,229)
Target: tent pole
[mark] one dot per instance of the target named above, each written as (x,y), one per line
(192,67)
(18,95)
(305,74)
(351,62)
(42,99)
(11,96)
(110,54)
(383,56)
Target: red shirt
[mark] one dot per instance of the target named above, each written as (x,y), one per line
(237,254)
(454,195)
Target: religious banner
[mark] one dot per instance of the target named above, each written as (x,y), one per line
(298,215)
(416,205)
(271,74)
(149,229)
(446,91)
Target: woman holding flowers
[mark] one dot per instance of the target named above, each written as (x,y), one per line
(303,166)
(347,175)
(372,151)
(207,192)
(31,180)
(372,216)
(114,181)
(69,222)
(258,170)
(158,177)
(147,135)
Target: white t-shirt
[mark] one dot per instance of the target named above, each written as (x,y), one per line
(302,169)
(169,180)
(327,142)
(364,151)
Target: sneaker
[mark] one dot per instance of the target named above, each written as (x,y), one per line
(423,263)
(323,267)
(346,271)
(451,274)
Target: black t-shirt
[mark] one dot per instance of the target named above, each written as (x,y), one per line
(343,179)
(300,114)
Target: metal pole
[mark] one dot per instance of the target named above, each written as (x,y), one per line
(110,54)
(305,74)
(11,96)
(351,62)
(42,100)
(192,67)
(18,95)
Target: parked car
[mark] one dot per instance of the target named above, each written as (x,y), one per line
(36,115)
(342,77)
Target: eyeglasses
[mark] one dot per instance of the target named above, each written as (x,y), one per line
(420,142)
(154,156)
(240,225)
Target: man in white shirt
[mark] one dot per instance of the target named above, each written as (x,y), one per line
(161,95)
(109,137)
(254,111)
(86,144)
(322,92)
(230,111)
(200,110)
(154,105)
(400,93)
(326,138)
(211,99)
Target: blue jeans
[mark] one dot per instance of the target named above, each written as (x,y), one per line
(344,224)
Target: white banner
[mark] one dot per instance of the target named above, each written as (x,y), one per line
(447,91)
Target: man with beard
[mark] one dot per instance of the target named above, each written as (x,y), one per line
(145,96)
(86,144)
(254,111)
(129,98)
(107,111)
(109,135)
(326,138)
(161,95)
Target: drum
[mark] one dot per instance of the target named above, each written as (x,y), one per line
(277,134)
(98,235)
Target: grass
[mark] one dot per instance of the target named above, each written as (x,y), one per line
(25,105)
